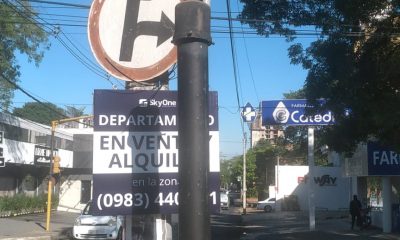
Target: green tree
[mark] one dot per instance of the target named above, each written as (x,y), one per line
(225,174)
(236,172)
(40,112)
(18,35)
(72,111)
(353,64)
(264,171)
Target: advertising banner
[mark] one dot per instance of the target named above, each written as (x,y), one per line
(292,112)
(135,152)
(42,155)
(382,161)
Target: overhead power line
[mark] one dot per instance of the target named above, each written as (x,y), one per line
(236,78)
(55,30)
(37,100)
(31,96)
(59,3)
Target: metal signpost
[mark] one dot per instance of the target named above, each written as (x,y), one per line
(2,160)
(248,116)
(311,192)
(131,39)
(192,38)
(293,112)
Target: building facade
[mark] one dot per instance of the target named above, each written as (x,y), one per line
(25,148)
(259,132)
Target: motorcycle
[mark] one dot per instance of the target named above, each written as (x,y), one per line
(365,218)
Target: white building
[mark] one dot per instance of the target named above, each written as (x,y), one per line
(328,184)
(25,150)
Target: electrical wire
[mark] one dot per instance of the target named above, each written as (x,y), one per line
(59,3)
(89,65)
(31,96)
(232,47)
(225,30)
(248,60)
(37,100)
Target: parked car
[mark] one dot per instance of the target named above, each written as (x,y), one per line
(97,227)
(224,200)
(267,205)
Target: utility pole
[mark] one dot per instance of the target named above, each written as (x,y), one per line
(244,187)
(311,193)
(192,37)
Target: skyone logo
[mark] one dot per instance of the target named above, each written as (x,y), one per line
(156,103)
(143,102)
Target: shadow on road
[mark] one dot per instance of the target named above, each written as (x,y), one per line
(226,227)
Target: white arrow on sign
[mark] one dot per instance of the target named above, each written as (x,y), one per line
(131,39)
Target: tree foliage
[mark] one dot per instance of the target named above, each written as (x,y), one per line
(42,113)
(72,111)
(353,64)
(18,36)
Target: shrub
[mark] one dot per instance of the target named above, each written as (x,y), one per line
(21,203)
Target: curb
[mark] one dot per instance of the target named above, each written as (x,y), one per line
(29,238)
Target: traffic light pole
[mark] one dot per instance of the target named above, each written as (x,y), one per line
(192,37)
(54,124)
(50,185)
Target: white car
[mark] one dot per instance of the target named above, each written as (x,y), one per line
(97,227)
(267,205)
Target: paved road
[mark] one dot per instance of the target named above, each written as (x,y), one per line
(229,225)
(226,226)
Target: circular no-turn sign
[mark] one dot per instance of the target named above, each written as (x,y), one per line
(131,39)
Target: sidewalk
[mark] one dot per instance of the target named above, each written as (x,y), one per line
(295,225)
(32,227)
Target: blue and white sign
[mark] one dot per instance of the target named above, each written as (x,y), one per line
(292,112)
(135,152)
(248,113)
(382,161)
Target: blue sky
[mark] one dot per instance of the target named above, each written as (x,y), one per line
(264,71)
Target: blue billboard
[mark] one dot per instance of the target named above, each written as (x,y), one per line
(382,161)
(292,112)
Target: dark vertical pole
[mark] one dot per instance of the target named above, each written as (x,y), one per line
(192,37)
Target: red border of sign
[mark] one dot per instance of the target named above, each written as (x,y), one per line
(115,69)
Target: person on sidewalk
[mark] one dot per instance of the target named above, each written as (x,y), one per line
(355,211)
